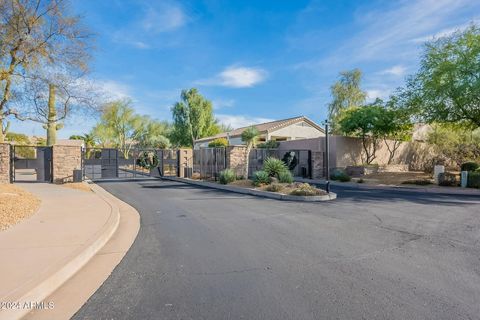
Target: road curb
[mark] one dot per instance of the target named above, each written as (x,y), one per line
(252,192)
(65,269)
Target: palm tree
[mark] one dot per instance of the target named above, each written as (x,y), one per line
(249,136)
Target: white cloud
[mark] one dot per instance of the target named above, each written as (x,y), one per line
(395,71)
(445,32)
(238,121)
(166,17)
(113,89)
(237,77)
(373,94)
(221,103)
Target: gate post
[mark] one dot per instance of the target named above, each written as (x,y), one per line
(185,161)
(5,163)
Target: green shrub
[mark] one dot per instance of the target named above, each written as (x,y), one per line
(270,144)
(285,177)
(360,180)
(227,176)
(219,142)
(260,177)
(340,175)
(447,179)
(305,190)
(473,179)
(274,166)
(470,166)
(274,187)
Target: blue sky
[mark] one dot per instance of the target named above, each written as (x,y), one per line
(256,60)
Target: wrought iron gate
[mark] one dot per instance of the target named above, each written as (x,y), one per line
(32,163)
(108,163)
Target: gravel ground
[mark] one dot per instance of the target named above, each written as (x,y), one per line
(15,204)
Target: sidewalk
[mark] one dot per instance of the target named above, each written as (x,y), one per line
(365,186)
(42,252)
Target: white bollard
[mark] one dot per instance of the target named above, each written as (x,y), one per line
(464,179)
(436,171)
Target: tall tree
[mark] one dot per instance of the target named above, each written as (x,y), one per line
(153,134)
(364,123)
(192,119)
(119,126)
(394,126)
(49,98)
(33,32)
(250,137)
(447,86)
(346,93)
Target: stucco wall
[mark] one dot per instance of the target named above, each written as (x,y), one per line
(297,131)
(347,151)
(65,160)
(4,163)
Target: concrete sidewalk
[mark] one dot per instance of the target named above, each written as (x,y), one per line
(42,252)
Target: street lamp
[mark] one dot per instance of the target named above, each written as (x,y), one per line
(327,158)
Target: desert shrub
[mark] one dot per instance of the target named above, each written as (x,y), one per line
(305,189)
(469,166)
(274,166)
(274,187)
(260,177)
(196,176)
(447,179)
(270,144)
(474,179)
(418,182)
(340,175)
(360,180)
(219,142)
(227,176)
(285,177)
(290,160)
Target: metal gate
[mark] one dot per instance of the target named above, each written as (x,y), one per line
(32,163)
(109,163)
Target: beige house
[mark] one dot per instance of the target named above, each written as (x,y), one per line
(281,130)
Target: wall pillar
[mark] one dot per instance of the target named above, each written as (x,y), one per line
(5,165)
(185,160)
(235,159)
(65,159)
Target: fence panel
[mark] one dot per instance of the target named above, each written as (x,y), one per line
(208,162)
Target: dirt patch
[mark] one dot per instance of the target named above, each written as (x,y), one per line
(395,178)
(15,204)
(282,188)
(83,186)
(242,183)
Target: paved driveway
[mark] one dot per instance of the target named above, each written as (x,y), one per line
(205,254)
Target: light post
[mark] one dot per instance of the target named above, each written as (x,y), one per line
(327,158)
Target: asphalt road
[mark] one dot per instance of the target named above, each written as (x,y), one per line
(206,254)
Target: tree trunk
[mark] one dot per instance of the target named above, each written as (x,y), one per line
(52,117)
(2,131)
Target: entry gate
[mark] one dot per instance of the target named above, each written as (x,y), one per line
(108,163)
(32,163)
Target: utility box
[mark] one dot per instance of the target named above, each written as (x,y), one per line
(77,175)
(464,179)
(436,172)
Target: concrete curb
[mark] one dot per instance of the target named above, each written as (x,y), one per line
(64,270)
(252,192)
(432,189)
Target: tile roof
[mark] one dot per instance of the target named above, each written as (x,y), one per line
(264,127)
